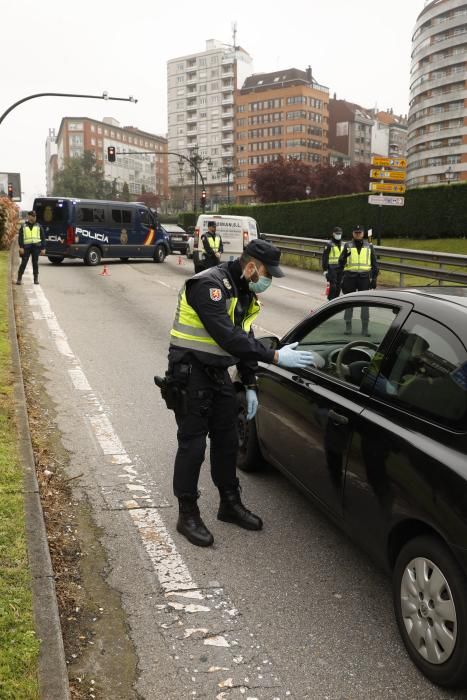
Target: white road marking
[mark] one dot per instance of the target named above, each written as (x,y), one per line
(297,291)
(79,379)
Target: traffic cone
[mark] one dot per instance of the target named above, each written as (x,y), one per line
(326,291)
(105,271)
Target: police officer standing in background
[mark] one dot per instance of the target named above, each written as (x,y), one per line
(31,240)
(213,246)
(330,263)
(212,331)
(359,266)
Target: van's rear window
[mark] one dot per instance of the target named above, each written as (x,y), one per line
(49,211)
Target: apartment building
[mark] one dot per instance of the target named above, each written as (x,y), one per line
(200,98)
(142,165)
(350,130)
(284,113)
(389,134)
(437,129)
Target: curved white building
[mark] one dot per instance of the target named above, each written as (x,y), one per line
(437,125)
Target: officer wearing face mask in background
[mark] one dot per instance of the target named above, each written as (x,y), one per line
(330,263)
(212,331)
(359,266)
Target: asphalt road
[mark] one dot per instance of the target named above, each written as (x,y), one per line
(295,611)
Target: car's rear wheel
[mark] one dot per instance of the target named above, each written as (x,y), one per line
(249,458)
(125,260)
(56,259)
(159,254)
(93,256)
(431,610)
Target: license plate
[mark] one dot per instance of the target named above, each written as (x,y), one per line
(177,238)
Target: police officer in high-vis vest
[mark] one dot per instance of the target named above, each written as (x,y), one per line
(330,262)
(359,266)
(212,331)
(213,246)
(31,240)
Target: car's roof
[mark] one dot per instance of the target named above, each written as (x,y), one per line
(420,295)
(173,227)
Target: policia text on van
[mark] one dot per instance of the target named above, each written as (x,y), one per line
(94,229)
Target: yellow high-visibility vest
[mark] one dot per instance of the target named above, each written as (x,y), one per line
(31,235)
(188,330)
(358,261)
(214,243)
(334,255)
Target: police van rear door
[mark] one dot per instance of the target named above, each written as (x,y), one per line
(55,216)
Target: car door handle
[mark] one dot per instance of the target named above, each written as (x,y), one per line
(338,417)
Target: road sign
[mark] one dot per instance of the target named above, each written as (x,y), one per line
(389,162)
(386,187)
(388,174)
(383,200)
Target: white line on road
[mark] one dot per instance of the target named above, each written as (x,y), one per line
(297,291)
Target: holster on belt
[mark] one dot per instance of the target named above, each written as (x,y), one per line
(174,388)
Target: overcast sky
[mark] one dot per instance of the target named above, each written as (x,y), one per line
(360,49)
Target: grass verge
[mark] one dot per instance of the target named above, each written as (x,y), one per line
(19,647)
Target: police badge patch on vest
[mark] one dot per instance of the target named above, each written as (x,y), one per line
(215,294)
(226,283)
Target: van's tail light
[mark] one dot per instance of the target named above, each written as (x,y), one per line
(70,235)
(246,238)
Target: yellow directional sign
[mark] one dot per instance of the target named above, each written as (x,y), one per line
(389,162)
(386,187)
(388,174)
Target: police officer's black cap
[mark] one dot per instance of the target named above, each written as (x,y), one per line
(212,223)
(266,253)
(358,228)
(337,229)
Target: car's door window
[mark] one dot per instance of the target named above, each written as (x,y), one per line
(346,342)
(427,372)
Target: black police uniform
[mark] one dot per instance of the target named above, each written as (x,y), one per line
(211,399)
(30,251)
(211,259)
(334,274)
(357,281)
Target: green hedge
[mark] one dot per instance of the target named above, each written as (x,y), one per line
(429,212)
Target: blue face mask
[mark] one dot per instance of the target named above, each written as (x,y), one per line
(261,285)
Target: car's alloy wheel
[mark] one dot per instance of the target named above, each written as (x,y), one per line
(431,612)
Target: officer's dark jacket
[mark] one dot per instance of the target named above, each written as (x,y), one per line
(21,234)
(346,252)
(206,293)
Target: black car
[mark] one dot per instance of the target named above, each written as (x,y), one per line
(178,238)
(376,434)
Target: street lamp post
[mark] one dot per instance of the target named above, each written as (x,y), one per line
(104,96)
(227,170)
(449,175)
(195,160)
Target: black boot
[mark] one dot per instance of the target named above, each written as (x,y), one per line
(190,524)
(348,328)
(232,510)
(365,331)
(18,281)
(36,280)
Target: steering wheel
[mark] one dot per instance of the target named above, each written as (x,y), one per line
(342,369)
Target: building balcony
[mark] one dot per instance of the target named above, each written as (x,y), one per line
(228,100)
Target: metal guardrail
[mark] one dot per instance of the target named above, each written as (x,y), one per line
(313,248)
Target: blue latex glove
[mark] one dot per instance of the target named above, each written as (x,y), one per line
(295,359)
(251,403)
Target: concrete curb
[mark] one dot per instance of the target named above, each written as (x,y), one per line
(52,672)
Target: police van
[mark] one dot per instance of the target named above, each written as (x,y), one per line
(93,229)
(236,232)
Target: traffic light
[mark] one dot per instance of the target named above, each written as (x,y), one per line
(10,190)
(203,199)
(111,154)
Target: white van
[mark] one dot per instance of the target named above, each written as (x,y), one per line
(236,232)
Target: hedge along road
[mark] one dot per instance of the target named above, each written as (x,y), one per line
(292,611)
